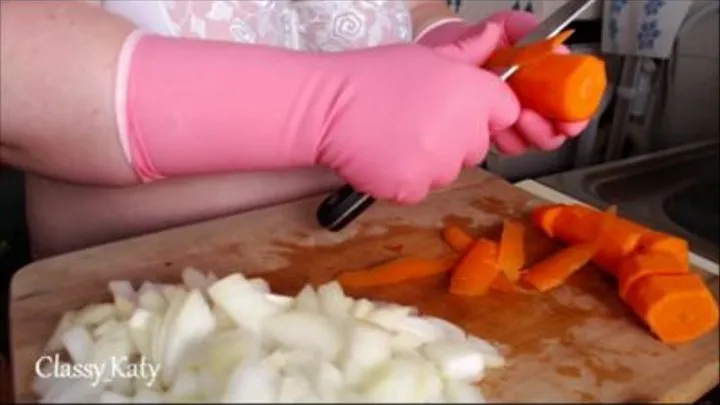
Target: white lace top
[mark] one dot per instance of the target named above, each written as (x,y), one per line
(312,25)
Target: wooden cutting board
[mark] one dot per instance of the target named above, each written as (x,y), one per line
(578,343)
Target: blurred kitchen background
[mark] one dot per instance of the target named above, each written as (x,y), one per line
(652,150)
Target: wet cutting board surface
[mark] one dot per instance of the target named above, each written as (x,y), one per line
(577,343)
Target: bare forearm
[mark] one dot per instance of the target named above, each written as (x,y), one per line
(57,85)
(424,13)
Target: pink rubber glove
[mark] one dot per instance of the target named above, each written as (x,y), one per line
(189,107)
(531,129)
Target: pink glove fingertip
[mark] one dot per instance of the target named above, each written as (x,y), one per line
(538,131)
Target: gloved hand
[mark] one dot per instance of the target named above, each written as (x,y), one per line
(531,129)
(393,121)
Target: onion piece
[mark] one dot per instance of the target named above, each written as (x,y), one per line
(362,308)
(193,325)
(260,285)
(252,381)
(493,358)
(92,315)
(450,330)
(293,389)
(78,343)
(367,347)
(242,302)
(124,297)
(160,331)
(55,343)
(332,300)
(194,279)
(389,316)
(306,331)
(307,299)
(460,392)
(141,326)
(151,298)
(395,381)
(456,360)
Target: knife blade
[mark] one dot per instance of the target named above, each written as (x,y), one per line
(343,206)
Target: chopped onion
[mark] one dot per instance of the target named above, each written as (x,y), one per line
(332,300)
(93,315)
(456,360)
(78,343)
(306,331)
(247,306)
(307,300)
(233,340)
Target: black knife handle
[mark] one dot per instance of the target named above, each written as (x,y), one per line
(342,207)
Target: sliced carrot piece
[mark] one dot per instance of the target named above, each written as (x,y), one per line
(476,270)
(502,283)
(524,55)
(458,239)
(577,81)
(662,242)
(555,269)
(677,308)
(643,264)
(544,217)
(511,254)
(396,271)
(617,238)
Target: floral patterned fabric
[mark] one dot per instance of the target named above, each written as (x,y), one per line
(309,25)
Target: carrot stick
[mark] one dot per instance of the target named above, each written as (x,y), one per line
(677,308)
(619,237)
(662,242)
(544,217)
(457,238)
(476,270)
(643,264)
(511,255)
(396,271)
(555,269)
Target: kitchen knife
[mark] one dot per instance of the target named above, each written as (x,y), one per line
(343,206)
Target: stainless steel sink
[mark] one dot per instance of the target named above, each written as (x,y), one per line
(674,191)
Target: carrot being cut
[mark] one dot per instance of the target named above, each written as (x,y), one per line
(511,253)
(662,242)
(477,269)
(396,271)
(555,269)
(524,55)
(458,239)
(643,264)
(677,308)
(565,87)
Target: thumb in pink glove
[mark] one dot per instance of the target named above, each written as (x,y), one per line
(531,129)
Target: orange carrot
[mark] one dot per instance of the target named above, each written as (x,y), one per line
(544,217)
(476,270)
(565,87)
(396,271)
(457,238)
(677,308)
(502,283)
(511,255)
(642,264)
(662,242)
(618,238)
(555,269)
(524,55)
